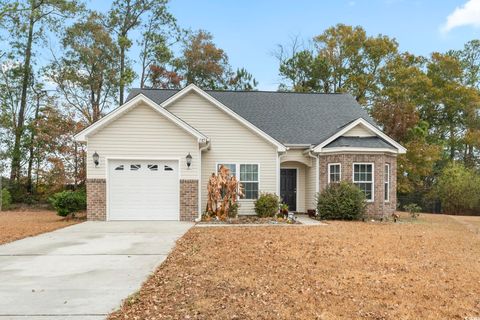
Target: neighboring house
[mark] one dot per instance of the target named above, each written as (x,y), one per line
(157,151)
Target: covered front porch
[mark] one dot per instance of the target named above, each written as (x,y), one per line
(298,180)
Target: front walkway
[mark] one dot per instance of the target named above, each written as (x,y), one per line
(83,271)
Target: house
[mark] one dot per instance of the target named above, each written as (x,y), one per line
(151,158)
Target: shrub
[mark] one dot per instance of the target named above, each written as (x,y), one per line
(413,209)
(267,205)
(223,192)
(6,199)
(69,202)
(458,189)
(343,201)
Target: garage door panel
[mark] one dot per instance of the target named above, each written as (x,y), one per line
(143,190)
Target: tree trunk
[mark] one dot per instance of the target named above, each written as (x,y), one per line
(31,149)
(16,156)
(122,72)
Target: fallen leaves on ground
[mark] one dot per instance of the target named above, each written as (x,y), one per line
(426,269)
(22,223)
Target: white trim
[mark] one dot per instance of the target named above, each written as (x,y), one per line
(296,185)
(277,175)
(356,149)
(377,131)
(237,174)
(139,99)
(328,173)
(192,87)
(373,177)
(317,178)
(107,159)
(386,182)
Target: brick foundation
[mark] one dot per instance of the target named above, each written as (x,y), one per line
(188,200)
(96,199)
(378,208)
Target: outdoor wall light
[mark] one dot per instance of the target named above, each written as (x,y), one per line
(95,157)
(189,160)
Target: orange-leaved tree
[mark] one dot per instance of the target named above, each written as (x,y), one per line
(224,191)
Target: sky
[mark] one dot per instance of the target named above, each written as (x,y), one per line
(250,30)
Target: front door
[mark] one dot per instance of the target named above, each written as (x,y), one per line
(288,188)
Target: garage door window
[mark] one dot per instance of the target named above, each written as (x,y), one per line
(135,167)
(167,168)
(119,168)
(153,167)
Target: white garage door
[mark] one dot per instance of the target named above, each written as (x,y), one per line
(143,190)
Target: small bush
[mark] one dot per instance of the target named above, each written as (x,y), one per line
(341,201)
(267,205)
(69,202)
(413,209)
(233,210)
(6,199)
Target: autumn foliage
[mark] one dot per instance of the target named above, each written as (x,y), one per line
(224,191)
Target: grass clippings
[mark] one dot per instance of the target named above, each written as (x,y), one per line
(428,269)
(22,223)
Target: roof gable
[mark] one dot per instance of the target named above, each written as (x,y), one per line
(139,99)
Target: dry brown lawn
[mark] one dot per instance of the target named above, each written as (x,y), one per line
(426,269)
(22,223)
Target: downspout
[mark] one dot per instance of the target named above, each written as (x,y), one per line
(317,168)
(204,148)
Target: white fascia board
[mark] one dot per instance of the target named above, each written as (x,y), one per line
(139,99)
(374,129)
(192,87)
(359,150)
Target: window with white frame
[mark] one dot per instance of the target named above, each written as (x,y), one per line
(334,172)
(247,175)
(386,183)
(363,178)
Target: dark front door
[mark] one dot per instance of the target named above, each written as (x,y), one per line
(288,188)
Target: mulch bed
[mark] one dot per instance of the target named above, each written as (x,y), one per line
(22,223)
(250,220)
(428,269)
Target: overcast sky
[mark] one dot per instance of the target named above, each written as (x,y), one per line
(249,30)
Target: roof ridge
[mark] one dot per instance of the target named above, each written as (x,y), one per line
(247,91)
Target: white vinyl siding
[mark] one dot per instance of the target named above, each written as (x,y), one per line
(230,140)
(359,131)
(311,179)
(142,133)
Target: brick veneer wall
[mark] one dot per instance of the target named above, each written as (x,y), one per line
(379,208)
(96,199)
(188,200)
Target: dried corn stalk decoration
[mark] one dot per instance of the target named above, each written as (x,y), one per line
(223,191)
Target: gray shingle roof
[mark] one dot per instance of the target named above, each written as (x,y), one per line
(360,142)
(290,118)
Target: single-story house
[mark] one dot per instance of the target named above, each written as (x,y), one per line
(151,158)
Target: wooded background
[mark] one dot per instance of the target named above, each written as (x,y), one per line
(430,104)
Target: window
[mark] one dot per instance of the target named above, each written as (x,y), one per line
(334,172)
(249,180)
(119,168)
(153,167)
(231,166)
(247,175)
(386,183)
(363,178)
(135,167)
(167,168)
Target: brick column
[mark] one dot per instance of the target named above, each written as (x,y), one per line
(188,200)
(96,199)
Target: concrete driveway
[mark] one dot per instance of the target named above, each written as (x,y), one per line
(82,271)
